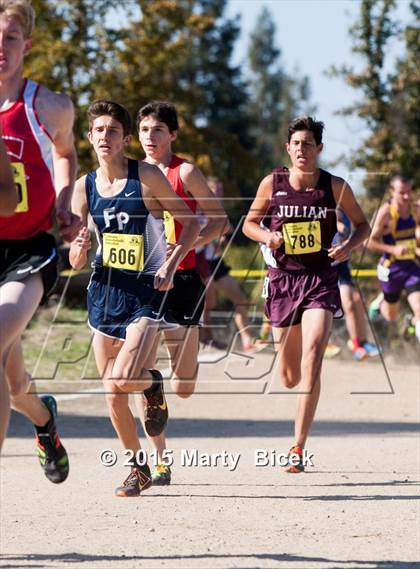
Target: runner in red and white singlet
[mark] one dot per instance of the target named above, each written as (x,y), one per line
(173,173)
(30,150)
(157,125)
(36,126)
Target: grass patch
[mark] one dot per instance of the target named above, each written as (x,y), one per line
(57,346)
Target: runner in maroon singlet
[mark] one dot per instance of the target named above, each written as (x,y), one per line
(293,217)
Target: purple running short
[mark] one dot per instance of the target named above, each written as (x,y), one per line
(291,293)
(401,276)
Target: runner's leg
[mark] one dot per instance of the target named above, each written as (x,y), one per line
(4,406)
(106,351)
(390,310)
(413,299)
(231,289)
(316,328)
(348,301)
(19,301)
(159,441)
(288,343)
(129,372)
(183,346)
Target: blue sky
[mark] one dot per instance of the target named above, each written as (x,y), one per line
(312,36)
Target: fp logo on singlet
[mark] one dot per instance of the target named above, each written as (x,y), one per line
(122,217)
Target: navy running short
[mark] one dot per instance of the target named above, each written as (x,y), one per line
(115,300)
(344,274)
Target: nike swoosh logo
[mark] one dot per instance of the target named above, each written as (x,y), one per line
(163,407)
(281,194)
(130,194)
(21,271)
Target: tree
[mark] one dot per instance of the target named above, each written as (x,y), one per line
(405,98)
(163,49)
(275,97)
(70,46)
(180,51)
(389,104)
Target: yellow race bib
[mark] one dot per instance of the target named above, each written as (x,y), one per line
(303,237)
(169,224)
(411,249)
(121,251)
(20,181)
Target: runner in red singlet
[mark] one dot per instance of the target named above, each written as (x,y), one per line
(36,126)
(157,124)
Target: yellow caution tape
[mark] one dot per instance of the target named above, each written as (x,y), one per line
(240,273)
(261,273)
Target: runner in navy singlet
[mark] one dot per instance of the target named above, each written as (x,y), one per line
(131,272)
(293,217)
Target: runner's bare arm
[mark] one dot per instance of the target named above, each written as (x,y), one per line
(81,244)
(217,222)
(8,193)
(379,229)
(159,196)
(257,211)
(57,115)
(345,199)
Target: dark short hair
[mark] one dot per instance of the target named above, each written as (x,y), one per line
(110,108)
(162,111)
(306,123)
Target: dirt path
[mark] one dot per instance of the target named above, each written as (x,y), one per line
(356,508)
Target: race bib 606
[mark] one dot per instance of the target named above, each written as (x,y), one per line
(121,251)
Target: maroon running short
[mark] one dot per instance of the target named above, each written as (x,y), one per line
(291,293)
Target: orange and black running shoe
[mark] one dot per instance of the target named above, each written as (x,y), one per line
(156,412)
(295,458)
(52,455)
(137,481)
(161,475)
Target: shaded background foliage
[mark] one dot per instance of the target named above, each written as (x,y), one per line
(234,119)
(390,93)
